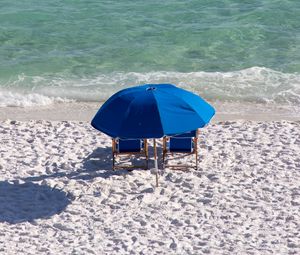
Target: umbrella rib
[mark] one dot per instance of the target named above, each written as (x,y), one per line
(162,128)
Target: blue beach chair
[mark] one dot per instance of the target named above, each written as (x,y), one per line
(184,144)
(128,147)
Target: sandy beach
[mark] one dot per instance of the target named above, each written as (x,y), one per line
(58,194)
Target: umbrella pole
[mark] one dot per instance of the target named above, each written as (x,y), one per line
(155,162)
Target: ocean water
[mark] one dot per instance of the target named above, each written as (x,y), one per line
(226,51)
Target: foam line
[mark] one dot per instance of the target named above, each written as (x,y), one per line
(253,85)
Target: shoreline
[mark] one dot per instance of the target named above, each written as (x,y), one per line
(85,111)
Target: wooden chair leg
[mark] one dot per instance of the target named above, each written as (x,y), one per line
(196,149)
(163,159)
(164,152)
(146,153)
(113,147)
(146,156)
(113,162)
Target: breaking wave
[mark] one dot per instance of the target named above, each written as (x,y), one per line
(252,85)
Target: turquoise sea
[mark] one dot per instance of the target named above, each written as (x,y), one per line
(229,50)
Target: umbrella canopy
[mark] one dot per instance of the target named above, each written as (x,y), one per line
(152,111)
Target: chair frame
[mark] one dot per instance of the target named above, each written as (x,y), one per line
(166,152)
(116,153)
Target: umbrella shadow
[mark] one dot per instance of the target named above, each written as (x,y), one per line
(99,164)
(29,201)
(96,164)
(100,158)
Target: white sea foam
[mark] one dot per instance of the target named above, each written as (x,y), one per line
(27,100)
(254,85)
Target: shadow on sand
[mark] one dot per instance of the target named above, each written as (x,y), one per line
(97,164)
(29,201)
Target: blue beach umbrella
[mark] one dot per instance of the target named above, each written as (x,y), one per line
(152,111)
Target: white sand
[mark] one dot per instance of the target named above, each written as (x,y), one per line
(59,196)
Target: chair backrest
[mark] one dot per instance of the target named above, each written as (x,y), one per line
(189,134)
(183,142)
(130,145)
